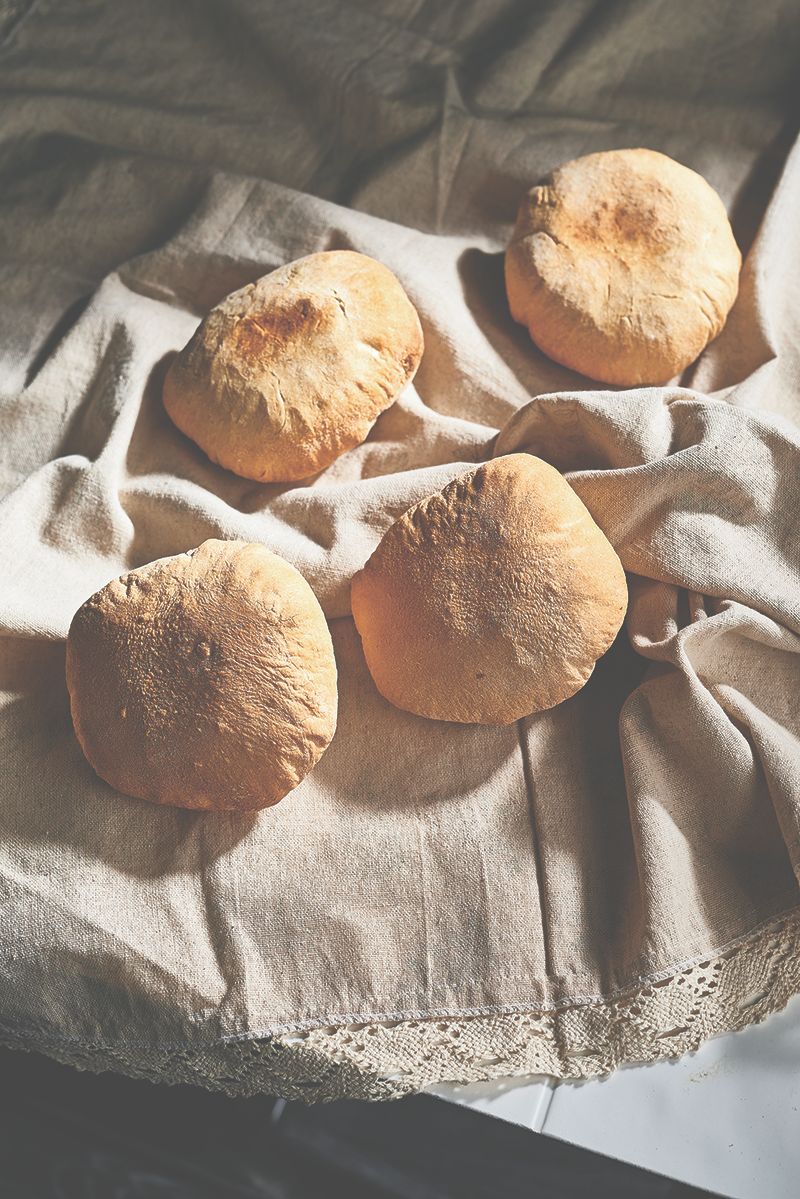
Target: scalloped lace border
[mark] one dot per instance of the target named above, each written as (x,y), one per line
(663,1018)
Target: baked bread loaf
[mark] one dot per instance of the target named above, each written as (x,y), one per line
(283,376)
(206,680)
(623,266)
(491,599)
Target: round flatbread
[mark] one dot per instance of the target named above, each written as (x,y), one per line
(285,375)
(623,266)
(206,680)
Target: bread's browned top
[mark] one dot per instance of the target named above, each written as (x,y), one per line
(286,374)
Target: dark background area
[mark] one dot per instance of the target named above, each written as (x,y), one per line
(69,1135)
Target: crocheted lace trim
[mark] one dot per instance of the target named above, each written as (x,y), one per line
(665,1017)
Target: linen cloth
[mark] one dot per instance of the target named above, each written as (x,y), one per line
(424,871)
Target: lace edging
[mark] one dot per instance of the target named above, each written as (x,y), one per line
(662,1018)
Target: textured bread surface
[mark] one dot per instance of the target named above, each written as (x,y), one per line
(289,372)
(623,266)
(490,599)
(206,680)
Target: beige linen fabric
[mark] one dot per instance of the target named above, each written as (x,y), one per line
(424,872)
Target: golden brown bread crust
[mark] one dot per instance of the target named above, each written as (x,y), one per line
(491,599)
(288,373)
(623,266)
(206,680)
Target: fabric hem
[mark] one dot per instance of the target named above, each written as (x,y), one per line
(664,1017)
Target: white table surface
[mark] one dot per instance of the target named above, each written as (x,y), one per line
(724,1118)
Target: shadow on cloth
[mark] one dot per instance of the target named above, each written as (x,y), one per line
(49,793)
(407,761)
(484,289)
